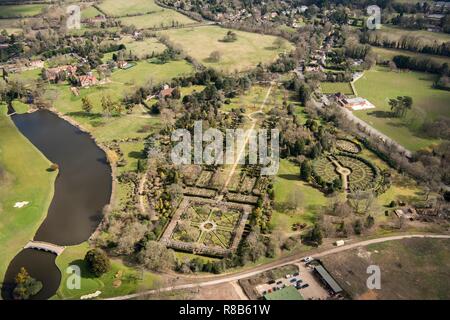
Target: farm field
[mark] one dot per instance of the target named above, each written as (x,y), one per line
(121,8)
(335,87)
(161,19)
(379,85)
(428,36)
(388,54)
(410,269)
(288,179)
(23,10)
(18,225)
(247,51)
(119,280)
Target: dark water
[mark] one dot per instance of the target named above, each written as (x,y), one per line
(82,189)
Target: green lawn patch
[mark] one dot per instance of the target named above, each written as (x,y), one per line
(23,177)
(119,280)
(379,85)
(23,10)
(161,19)
(246,52)
(121,8)
(287,179)
(335,87)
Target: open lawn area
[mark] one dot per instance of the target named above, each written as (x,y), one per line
(23,10)
(396,33)
(89,12)
(410,269)
(246,52)
(141,49)
(120,280)
(20,180)
(288,179)
(388,54)
(121,8)
(379,85)
(116,127)
(161,19)
(335,87)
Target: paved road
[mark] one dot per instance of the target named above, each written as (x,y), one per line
(226,278)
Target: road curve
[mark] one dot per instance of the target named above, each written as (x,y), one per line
(276,264)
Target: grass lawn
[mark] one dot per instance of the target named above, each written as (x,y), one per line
(116,127)
(25,179)
(160,19)
(141,49)
(23,10)
(396,33)
(121,8)
(120,280)
(335,87)
(379,85)
(286,180)
(132,152)
(89,12)
(410,269)
(388,54)
(246,52)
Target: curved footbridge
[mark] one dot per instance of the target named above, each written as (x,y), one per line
(45,246)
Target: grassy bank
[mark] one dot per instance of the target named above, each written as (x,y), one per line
(23,177)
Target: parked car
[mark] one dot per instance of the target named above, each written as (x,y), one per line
(271,282)
(304,286)
(279,282)
(288,276)
(296,274)
(293,280)
(307,259)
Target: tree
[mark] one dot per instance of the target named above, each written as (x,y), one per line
(26,286)
(97,262)
(156,256)
(107,105)
(314,236)
(294,199)
(86,104)
(306,170)
(215,56)
(279,43)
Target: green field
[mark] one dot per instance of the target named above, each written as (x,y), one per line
(121,8)
(246,52)
(410,269)
(23,10)
(89,12)
(116,127)
(22,180)
(335,87)
(120,280)
(160,19)
(287,179)
(388,54)
(379,85)
(139,48)
(396,33)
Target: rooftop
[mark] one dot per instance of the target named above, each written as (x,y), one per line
(328,279)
